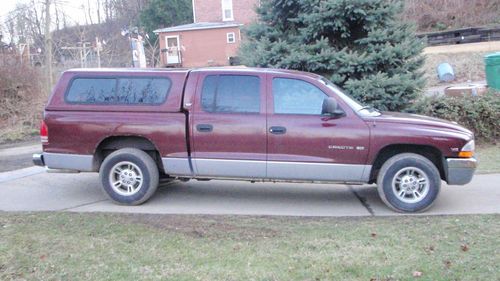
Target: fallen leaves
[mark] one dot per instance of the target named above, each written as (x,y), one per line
(464,247)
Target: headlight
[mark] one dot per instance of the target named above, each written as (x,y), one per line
(468,150)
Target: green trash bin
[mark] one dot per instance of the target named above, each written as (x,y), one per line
(492,62)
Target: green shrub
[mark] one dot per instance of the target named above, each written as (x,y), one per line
(481,114)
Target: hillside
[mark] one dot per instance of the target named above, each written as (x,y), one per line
(433,15)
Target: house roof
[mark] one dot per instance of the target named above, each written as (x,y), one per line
(198,26)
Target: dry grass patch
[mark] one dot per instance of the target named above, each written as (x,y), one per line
(467,67)
(21,99)
(430,15)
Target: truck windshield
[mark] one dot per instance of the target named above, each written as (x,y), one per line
(359,108)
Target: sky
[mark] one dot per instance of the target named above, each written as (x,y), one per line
(72,8)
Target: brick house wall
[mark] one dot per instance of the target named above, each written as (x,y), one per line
(206,41)
(211,10)
(207,47)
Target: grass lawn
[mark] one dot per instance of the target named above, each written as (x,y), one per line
(489,159)
(67,246)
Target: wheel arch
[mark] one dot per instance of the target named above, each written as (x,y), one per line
(112,143)
(430,152)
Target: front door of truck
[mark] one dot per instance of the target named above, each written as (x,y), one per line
(229,125)
(303,144)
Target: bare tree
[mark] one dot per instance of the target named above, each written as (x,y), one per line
(26,23)
(98,10)
(48,45)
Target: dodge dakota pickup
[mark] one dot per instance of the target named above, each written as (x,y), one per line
(137,126)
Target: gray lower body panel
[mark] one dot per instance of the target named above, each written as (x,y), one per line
(230,168)
(318,171)
(177,166)
(78,162)
(262,170)
(460,171)
(244,169)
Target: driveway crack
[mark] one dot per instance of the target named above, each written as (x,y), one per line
(82,205)
(363,201)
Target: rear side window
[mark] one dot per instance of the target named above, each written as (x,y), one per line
(231,94)
(126,91)
(85,90)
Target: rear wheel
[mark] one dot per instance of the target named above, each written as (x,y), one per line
(129,176)
(408,182)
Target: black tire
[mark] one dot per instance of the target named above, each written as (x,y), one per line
(142,167)
(400,180)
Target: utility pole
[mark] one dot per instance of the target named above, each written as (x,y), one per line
(48,46)
(98,47)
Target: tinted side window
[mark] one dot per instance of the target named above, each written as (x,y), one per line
(293,96)
(231,94)
(142,90)
(118,90)
(208,93)
(87,90)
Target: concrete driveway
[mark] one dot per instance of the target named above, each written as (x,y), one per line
(32,189)
(17,156)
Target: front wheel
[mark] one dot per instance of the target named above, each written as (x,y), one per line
(408,182)
(129,176)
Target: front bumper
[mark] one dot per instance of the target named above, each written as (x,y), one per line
(38,159)
(460,170)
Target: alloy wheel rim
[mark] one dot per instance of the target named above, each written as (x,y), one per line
(410,185)
(126,178)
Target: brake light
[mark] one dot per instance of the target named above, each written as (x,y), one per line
(44,132)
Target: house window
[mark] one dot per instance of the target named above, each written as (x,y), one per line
(231,37)
(227,10)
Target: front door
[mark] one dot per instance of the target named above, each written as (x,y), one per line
(229,126)
(303,144)
(173,50)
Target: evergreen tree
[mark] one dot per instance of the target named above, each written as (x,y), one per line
(360,45)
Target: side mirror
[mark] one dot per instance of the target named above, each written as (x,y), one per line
(330,107)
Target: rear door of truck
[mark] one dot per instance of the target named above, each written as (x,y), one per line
(228,124)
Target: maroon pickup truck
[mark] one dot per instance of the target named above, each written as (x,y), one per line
(137,126)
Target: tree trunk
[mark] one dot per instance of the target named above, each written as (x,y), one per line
(48,46)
